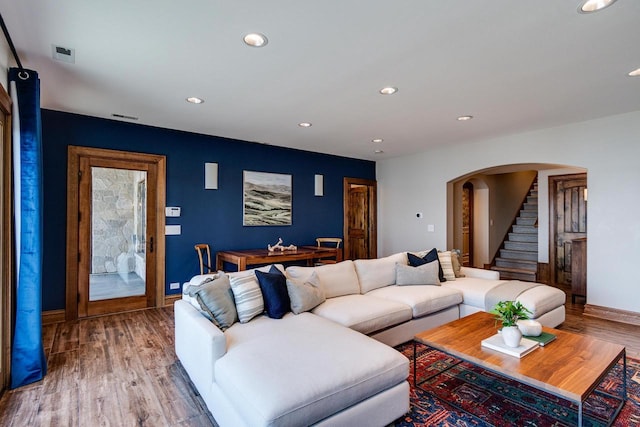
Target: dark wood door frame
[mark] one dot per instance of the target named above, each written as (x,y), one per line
(553,217)
(6,240)
(373,216)
(76,155)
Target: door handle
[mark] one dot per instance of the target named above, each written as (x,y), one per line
(151,245)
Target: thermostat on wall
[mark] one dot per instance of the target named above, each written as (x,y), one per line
(172,211)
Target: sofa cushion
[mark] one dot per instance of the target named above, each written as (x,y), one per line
(296,370)
(216,299)
(425,257)
(273,286)
(363,313)
(248,297)
(305,295)
(542,299)
(455,262)
(335,279)
(423,300)
(426,274)
(376,273)
(192,285)
(446,263)
(473,289)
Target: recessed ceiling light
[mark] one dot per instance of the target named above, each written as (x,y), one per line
(388,90)
(464,118)
(304,125)
(377,140)
(195,100)
(255,40)
(635,73)
(594,5)
(378,152)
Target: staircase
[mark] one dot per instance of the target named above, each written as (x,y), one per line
(518,258)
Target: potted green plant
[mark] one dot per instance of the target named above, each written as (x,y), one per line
(509,312)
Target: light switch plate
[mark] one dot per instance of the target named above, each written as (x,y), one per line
(172,230)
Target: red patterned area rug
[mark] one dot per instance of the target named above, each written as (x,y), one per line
(483,398)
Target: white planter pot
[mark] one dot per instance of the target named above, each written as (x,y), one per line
(511,336)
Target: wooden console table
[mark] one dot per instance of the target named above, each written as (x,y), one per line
(244,258)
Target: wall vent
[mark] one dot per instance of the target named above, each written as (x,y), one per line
(63,54)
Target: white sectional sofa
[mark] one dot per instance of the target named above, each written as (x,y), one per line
(322,367)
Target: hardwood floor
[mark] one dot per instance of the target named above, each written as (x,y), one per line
(121,370)
(117,370)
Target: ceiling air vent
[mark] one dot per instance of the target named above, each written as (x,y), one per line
(63,54)
(123,116)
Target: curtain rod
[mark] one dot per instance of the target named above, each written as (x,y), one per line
(11,46)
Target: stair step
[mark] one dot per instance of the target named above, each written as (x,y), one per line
(526,220)
(529,214)
(518,264)
(521,246)
(519,255)
(516,274)
(532,199)
(525,229)
(530,206)
(523,237)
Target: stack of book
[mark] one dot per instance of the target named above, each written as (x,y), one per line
(527,345)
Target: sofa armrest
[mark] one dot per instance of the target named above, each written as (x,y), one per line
(199,343)
(479,273)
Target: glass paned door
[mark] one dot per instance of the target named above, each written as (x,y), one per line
(118,230)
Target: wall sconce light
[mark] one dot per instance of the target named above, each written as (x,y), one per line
(319,185)
(210,176)
(585,193)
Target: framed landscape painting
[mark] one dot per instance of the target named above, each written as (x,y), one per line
(266,198)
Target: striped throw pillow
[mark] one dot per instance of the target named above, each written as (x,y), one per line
(246,292)
(447,265)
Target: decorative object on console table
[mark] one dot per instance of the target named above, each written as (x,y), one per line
(509,312)
(578,268)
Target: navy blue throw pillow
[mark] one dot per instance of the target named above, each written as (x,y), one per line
(274,293)
(275,270)
(432,255)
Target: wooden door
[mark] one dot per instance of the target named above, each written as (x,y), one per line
(360,220)
(568,221)
(467,224)
(105,246)
(6,240)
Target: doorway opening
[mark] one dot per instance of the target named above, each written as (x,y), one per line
(118,233)
(360,218)
(115,231)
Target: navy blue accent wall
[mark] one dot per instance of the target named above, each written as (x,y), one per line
(208,216)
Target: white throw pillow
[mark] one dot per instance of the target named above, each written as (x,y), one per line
(447,265)
(247,295)
(305,295)
(426,274)
(379,272)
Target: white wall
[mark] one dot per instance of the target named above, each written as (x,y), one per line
(608,148)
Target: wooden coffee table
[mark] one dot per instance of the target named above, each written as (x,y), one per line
(571,367)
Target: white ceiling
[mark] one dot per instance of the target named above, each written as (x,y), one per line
(514,65)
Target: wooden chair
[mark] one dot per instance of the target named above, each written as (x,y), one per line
(203,247)
(333,242)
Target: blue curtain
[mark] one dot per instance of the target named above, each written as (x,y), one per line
(28,363)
